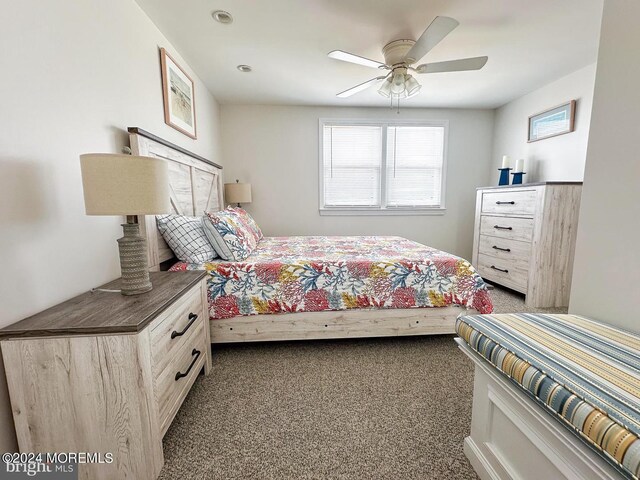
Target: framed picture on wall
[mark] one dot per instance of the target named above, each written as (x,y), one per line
(178,96)
(550,123)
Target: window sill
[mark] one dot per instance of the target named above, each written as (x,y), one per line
(381,211)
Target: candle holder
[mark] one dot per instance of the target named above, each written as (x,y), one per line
(504,176)
(517,178)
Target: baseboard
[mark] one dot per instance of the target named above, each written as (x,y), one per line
(478,461)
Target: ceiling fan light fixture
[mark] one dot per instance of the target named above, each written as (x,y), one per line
(398,83)
(414,92)
(412,86)
(398,89)
(385,88)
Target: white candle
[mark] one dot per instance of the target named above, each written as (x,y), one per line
(505,161)
(520,165)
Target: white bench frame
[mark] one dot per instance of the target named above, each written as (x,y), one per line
(513,438)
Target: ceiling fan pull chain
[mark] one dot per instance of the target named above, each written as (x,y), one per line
(398,112)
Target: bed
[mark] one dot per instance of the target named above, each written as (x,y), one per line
(294,288)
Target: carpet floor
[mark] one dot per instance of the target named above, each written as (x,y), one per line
(390,408)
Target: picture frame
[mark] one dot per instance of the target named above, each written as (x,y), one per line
(178,95)
(552,122)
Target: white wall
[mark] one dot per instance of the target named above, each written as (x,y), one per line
(557,158)
(276,149)
(74,76)
(606,275)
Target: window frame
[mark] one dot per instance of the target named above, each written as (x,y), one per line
(383,209)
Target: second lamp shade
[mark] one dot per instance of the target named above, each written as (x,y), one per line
(237,192)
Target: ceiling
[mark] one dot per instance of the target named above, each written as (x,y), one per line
(529,44)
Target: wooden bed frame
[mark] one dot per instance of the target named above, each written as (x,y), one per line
(196,186)
(512,437)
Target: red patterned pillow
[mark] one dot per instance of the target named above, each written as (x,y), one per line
(230,238)
(248,221)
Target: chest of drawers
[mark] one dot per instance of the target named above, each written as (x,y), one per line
(524,239)
(107,373)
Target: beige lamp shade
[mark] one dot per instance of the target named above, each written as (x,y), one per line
(124,184)
(237,192)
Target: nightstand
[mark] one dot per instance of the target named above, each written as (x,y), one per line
(107,373)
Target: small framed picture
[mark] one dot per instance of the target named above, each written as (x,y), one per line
(178,96)
(550,123)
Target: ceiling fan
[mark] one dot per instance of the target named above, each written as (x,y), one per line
(401,55)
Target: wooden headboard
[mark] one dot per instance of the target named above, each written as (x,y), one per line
(195,185)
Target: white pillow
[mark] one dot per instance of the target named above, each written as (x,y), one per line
(186,237)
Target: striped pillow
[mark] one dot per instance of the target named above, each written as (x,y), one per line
(230,237)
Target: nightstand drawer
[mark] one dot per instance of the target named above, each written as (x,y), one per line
(520,229)
(513,251)
(178,352)
(503,272)
(169,332)
(173,383)
(510,202)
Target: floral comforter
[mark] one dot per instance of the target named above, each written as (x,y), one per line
(311,274)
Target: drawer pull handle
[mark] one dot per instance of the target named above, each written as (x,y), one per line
(502,228)
(506,203)
(196,354)
(500,269)
(501,249)
(192,318)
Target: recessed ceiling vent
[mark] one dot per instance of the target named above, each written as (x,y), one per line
(222,17)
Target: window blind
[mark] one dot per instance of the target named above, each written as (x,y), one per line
(414,166)
(352,165)
(382,165)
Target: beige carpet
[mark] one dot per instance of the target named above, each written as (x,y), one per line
(394,408)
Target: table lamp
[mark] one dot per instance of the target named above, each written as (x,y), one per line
(237,192)
(127,185)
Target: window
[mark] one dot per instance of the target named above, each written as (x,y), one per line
(382,167)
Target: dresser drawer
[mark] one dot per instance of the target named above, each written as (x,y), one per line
(510,202)
(170,330)
(173,383)
(513,251)
(509,228)
(178,346)
(503,272)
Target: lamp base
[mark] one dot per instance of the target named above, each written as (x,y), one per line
(133,261)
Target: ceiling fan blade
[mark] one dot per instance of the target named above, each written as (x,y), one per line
(462,65)
(359,88)
(351,58)
(439,28)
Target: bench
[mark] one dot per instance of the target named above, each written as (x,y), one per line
(555,396)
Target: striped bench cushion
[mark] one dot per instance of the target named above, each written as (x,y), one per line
(587,374)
